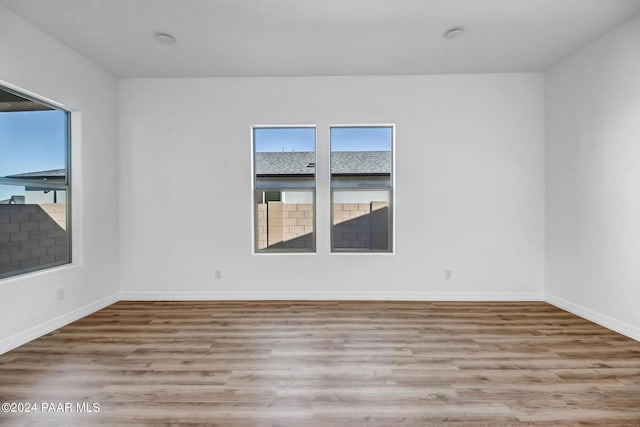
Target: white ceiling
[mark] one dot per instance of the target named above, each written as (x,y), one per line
(323,37)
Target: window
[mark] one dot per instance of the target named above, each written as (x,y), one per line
(284,189)
(34,185)
(361,188)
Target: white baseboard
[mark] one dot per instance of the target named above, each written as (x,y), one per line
(51,325)
(599,318)
(328,296)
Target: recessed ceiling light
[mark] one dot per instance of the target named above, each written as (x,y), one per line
(164,38)
(453,33)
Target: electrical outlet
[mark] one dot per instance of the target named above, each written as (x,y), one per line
(448,274)
(60,294)
(217,274)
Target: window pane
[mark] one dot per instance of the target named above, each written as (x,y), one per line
(361,153)
(286,223)
(361,219)
(284,163)
(34,185)
(361,183)
(33,144)
(33,228)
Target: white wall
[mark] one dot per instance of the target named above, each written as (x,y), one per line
(295,196)
(469,186)
(352,196)
(35,197)
(32,60)
(593,181)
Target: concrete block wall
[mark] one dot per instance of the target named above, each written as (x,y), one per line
(285,225)
(57,212)
(275,228)
(262,226)
(290,225)
(30,237)
(361,225)
(297,220)
(379,225)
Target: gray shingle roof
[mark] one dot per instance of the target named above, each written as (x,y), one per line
(54,173)
(342,162)
(361,162)
(285,163)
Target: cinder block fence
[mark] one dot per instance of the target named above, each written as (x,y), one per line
(290,225)
(32,236)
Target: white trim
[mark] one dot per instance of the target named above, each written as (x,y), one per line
(356,253)
(77,196)
(31,94)
(21,338)
(51,325)
(595,317)
(51,270)
(393,186)
(254,189)
(328,296)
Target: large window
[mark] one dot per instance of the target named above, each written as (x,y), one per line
(284,189)
(34,185)
(361,188)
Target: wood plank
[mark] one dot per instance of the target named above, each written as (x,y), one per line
(328,363)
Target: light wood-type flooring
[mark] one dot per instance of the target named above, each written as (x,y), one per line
(327,363)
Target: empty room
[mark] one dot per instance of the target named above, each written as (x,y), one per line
(320,213)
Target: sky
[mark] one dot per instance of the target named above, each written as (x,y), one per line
(31,141)
(342,139)
(269,140)
(361,139)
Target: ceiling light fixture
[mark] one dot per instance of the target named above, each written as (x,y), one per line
(453,33)
(164,38)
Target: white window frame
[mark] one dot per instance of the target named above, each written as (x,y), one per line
(391,250)
(66,186)
(255,190)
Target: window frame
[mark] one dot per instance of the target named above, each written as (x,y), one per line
(255,190)
(66,186)
(391,247)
